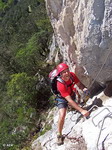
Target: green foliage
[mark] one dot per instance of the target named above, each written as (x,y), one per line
(21,86)
(24,39)
(52,100)
(31,53)
(16,122)
(5,4)
(46,128)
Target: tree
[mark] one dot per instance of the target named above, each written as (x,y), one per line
(24,41)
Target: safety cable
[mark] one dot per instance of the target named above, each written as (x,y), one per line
(88,88)
(90,110)
(107,116)
(72,139)
(98,72)
(101,67)
(47,143)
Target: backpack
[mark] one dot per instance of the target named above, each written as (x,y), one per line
(54,77)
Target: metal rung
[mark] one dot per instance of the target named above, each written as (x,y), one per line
(107,116)
(93,119)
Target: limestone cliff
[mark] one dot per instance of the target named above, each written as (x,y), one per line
(94,133)
(83,32)
(83,38)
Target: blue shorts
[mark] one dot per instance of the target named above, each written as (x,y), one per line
(62,102)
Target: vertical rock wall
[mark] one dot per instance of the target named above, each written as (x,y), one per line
(83,31)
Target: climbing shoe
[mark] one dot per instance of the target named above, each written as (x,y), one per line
(60,140)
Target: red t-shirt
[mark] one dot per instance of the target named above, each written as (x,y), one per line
(63,89)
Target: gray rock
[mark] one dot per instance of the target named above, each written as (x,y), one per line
(83,31)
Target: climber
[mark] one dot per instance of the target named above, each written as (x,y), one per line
(67,96)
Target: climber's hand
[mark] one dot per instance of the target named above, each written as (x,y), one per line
(85,113)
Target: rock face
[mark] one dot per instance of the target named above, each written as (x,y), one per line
(94,133)
(83,31)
